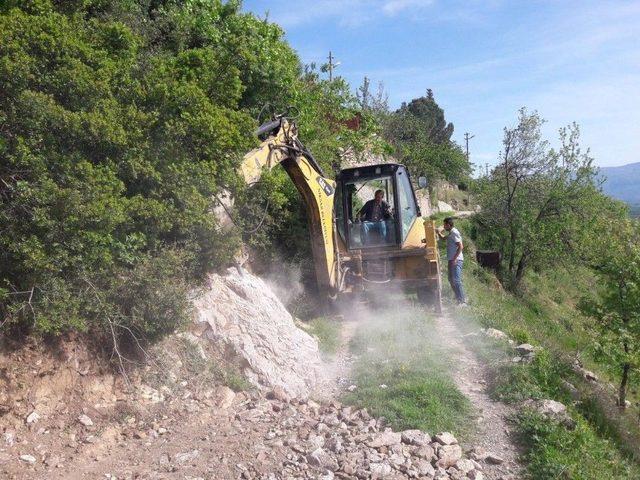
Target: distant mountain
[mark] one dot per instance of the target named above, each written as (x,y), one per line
(623,182)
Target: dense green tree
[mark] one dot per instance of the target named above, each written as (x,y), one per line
(538,202)
(120,122)
(421,138)
(615,257)
(428,119)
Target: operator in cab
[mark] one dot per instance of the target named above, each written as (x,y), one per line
(374,214)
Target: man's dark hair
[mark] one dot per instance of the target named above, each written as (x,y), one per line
(449,221)
(378,191)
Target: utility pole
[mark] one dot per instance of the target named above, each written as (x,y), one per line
(467,137)
(331,65)
(486,169)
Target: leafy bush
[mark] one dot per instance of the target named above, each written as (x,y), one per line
(120,123)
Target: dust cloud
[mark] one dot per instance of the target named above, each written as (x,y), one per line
(391,325)
(397,342)
(285,280)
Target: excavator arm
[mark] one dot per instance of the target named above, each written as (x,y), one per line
(281,146)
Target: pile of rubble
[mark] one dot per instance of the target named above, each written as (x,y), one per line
(335,441)
(238,312)
(244,436)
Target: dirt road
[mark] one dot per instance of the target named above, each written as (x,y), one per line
(196,434)
(494,432)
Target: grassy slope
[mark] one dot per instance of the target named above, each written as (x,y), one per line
(395,351)
(602,444)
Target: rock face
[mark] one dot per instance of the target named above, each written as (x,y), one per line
(224,205)
(240,312)
(444,207)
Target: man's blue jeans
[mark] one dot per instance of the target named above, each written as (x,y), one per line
(370,229)
(455,280)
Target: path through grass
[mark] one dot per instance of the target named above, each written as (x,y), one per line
(403,373)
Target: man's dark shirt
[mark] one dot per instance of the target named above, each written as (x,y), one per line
(372,212)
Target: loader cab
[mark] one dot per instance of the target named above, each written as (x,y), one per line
(355,187)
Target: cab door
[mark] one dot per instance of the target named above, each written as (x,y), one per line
(407,207)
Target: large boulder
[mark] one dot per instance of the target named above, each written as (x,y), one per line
(444,207)
(239,312)
(553,410)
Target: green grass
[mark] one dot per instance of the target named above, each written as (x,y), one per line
(554,452)
(540,379)
(604,442)
(395,350)
(327,331)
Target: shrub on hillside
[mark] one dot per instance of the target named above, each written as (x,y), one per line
(120,122)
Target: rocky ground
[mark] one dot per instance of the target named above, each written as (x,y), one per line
(223,435)
(194,429)
(62,416)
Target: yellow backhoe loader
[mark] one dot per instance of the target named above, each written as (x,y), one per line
(352,253)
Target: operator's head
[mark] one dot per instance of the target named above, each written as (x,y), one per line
(448,223)
(379,195)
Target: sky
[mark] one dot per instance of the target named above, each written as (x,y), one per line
(572,61)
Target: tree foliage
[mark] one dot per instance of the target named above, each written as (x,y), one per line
(377,102)
(119,124)
(539,202)
(617,308)
(422,140)
(430,120)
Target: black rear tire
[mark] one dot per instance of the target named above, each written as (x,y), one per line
(430,296)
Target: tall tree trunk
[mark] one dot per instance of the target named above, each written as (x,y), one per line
(522,265)
(512,251)
(622,391)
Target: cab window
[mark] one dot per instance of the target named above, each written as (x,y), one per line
(407,203)
(370,224)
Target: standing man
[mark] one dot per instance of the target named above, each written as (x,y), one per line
(454,258)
